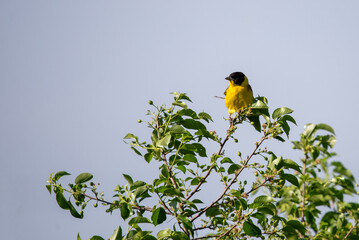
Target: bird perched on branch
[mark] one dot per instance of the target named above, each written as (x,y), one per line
(239,94)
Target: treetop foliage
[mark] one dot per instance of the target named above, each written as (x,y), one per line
(283,198)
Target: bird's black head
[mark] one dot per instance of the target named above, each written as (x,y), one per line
(237,77)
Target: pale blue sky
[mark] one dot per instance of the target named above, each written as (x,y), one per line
(76,75)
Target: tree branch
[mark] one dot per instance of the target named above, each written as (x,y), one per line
(212,166)
(164,156)
(233,180)
(247,193)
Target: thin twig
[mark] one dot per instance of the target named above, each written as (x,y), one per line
(206,237)
(164,205)
(351,229)
(205,227)
(303,189)
(260,185)
(119,205)
(229,230)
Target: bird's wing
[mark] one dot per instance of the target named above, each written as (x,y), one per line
(225,92)
(250,88)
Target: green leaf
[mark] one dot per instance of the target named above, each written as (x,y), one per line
(290,232)
(190,158)
(186,223)
(164,234)
(259,105)
(61,201)
(74,212)
(194,147)
(58,175)
(251,230)
(177,129)
(125,212)
(136,151)
(158,216)
(265,210)
(131,136)
(164,171)
(290,178)
(289,118)
(288,163)
(49,188)
(233,168)
(205,116)
(187,112)
(199,201)
(148,156)
(195,181)
(192,124)
(143,235)
(263,99)
(182,168)
(279,138)
(259,108)
(173,192)
(163,142)
(243,203)
(183,96)
(260,216)
(263,199)
(285,127)
(200,149)
(137,184)
(226,160)
(297,225)
(254,119)
(128,178)
(140,190)
(78,236)
(275,163)
(309,129)
(138,219)
(326,127)
(179,236)
(175,93)
(213,211)
(96,238)
(339,168)
(83,177)
(280,112)
(117,235)
(180,104)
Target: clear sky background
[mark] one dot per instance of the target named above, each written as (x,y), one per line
(76,75)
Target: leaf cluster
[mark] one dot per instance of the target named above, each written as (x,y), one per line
(281,200)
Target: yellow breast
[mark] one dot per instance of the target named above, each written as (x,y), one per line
(238,97)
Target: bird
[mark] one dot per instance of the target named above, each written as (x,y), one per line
(239,94)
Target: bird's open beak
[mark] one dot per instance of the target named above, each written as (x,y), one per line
(228,78)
